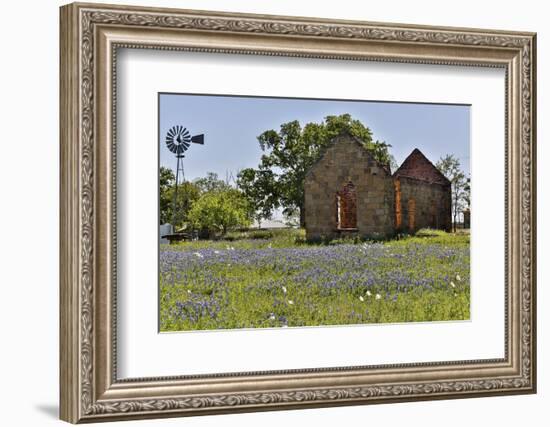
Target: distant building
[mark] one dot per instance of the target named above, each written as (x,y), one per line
(270,224)
(349,193)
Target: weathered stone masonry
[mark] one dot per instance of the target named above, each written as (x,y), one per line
(347,192)
(419,185)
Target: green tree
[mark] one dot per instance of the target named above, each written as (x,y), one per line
(210,182)
(166,181)
(449,165)
(188,193)
(290,152)
(219,211)
(259,188)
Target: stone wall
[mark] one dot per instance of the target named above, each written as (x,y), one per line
(421,204)
(345,161)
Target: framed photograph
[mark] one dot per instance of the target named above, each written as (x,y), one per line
(267,212)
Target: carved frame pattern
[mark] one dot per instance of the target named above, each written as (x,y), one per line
(80,398)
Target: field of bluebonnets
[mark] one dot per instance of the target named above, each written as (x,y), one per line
(275,279)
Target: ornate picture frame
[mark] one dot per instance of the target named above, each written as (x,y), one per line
(90,37)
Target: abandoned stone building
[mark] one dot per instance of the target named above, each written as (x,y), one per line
(349,193)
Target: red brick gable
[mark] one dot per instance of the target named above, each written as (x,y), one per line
(418,166)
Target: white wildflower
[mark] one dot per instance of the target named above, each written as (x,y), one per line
(188,291)
(368,293)
(458,278)
(198,254)
(272,317)
(361,299)
(378,296)
(216,252)
(284,289)
(453,285)
(290,302)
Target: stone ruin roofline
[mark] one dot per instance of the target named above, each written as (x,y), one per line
(344,133)
(441,180)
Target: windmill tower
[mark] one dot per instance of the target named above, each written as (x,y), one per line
(178,140)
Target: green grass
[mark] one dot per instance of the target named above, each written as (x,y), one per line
(252,239)
(273,279)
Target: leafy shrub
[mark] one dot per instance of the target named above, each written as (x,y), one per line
(219,211)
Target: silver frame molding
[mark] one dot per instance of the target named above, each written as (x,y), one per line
(90,37)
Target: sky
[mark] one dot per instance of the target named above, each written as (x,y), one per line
(231,125)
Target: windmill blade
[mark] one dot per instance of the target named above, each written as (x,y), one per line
(185,134)
(198,139)
(178,140)
(182,148)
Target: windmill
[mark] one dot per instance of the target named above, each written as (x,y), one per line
(178,140)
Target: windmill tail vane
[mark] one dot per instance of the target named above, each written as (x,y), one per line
(178,140)
(198,139)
